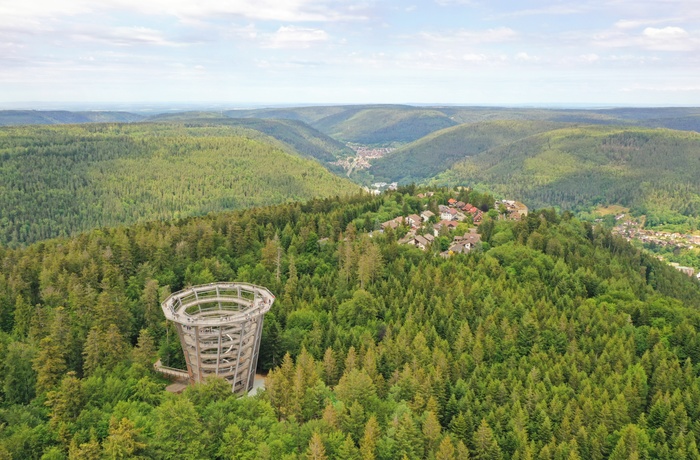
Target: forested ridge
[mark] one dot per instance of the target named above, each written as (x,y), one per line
(438,151)
(556,341)
(399,124)
(54,117)
(302,138)
(655,172)
(57,181)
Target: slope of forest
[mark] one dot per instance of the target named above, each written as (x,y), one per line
(558,342)
(364,124)
(55,117)
(384,126)
(297,135)
(62,180)
(438,151)
(378,124)
(387,124)
(654,171)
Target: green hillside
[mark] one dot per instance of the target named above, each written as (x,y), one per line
(184,116)
(438,151)
(384,125)
(308,114)
(653,171)
(299,137)
(400,124)
(364,124)
(555,341)
(55,117)
(62,180)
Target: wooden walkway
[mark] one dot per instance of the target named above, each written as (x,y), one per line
(171,371)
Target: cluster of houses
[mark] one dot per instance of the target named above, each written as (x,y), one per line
(448,218)
(379,187)
(417,223)
(631,229)
(514,210)
(690,271)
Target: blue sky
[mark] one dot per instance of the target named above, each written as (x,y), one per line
(238,52)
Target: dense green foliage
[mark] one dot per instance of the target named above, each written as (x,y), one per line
(438,151)
(381,126)
(300,137)
(55,117)
(62,180)
(655,172)
(559,342)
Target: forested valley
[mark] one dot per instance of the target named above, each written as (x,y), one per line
(655,172)
(556,340)
(61,180)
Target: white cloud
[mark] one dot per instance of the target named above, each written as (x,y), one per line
(296,37)
(669,38)
(525,57)
(590,57)
(554,10)
(272,10)
(627,24)
(454,2)
(497,35)
(474,57)
(125,36)
(665,34)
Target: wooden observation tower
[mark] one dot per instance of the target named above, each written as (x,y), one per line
(220,326)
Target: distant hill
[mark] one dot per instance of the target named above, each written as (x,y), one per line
(656,171)
(309,114)
(438,151)
(56,117)
(364,124)
(387,124)
(181,116)
(297,136)
(57,181)
(384,125)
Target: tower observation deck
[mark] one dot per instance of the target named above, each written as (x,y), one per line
(220,326)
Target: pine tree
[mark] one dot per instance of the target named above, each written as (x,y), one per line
(49,364)
(330,368)
(354,421)
(144,353)
(316,449)
(150,299)
(123,440)
(103,348)
(485,444)
(347,450)
(20,378)
(22,316)
(431,432)
(368,443)
(446,450)
(408,437)
(633,442)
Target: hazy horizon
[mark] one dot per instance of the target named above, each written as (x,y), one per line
(175,106)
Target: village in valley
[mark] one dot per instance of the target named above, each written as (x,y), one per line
(363,155)
(632,229)
(457,222)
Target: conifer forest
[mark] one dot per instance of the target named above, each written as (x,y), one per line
(554,339)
